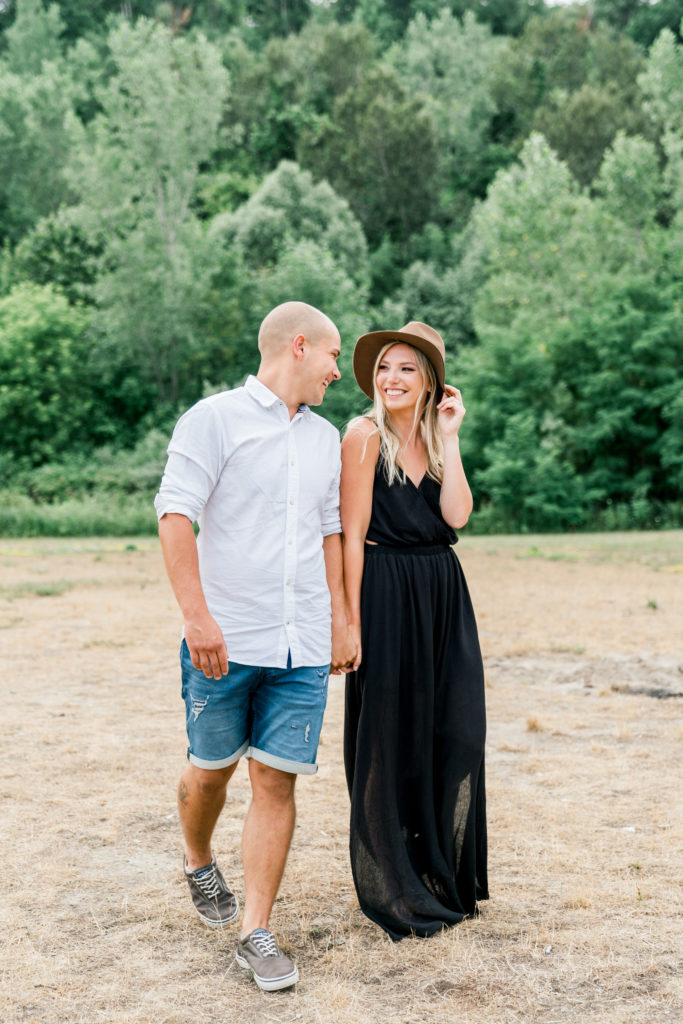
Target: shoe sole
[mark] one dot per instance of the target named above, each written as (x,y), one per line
(212,923)
(269,984)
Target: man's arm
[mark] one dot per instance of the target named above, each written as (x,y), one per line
(343,646)
(202,633)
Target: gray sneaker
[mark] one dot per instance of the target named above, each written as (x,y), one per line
(258,952)
(215,903)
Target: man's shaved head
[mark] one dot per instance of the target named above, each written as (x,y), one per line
(288,320)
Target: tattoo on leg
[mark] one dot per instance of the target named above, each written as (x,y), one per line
(182,793)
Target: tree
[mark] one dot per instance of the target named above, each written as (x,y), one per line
(59,251)
(46,401)
(278,19)
(34,37)
(289,85)
(630,182)
(504,17)
(640,19)
(572,390)
(447,63)
(296,238)
(289,207)
(581,128)
(379,151)
(136,174)
(617,13)
(649,20)
(37,95)
(662,84)
(575,83)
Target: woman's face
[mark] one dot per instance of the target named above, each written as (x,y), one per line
(399,379)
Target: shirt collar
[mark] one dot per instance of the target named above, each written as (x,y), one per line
(264,396)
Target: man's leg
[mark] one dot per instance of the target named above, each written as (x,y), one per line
(201,797)
(266,840)
(287,715)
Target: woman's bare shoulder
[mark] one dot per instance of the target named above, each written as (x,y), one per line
(360,427)
(361,439)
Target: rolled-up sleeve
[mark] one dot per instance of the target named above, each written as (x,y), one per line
(331,520)
(196,455)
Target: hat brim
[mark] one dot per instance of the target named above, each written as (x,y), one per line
(369,346)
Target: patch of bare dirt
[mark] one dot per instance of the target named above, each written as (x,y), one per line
(582,644)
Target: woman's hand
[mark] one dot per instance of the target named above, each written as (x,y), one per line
(451,412)
(354,630)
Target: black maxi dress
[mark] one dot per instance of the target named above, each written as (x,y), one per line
(415,723)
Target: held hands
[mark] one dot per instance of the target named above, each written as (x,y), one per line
(207,647)
(354,630)
(451,412)
(345,648)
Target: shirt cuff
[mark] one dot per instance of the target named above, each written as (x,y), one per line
(177,504)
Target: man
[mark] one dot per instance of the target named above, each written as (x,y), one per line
(261,593)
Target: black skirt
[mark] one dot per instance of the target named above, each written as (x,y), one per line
(414,732)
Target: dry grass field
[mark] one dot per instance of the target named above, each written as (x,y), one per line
(584,653)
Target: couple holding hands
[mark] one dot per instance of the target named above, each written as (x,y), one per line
(314,556)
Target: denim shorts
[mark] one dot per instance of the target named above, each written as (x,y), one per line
(271,714)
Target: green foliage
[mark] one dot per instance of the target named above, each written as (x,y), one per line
(45,404)
(33,38)
(448,63)
(504,17)
(286,88)
(662,84)
(105,492)
(217,17)
(630,181)
(296,238)
(640,19)
(529,484)
(105,472)
(575,83)
(577,375)
(87,20)
(288,207)
(379,151)
(35,141)
(277,19)
(650,19)
(137,184)
(509,173)
(77,517)
(58,251)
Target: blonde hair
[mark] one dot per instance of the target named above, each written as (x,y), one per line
(425,423)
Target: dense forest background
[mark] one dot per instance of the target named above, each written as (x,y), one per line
(509,172)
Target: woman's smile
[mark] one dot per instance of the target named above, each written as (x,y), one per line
(398,375)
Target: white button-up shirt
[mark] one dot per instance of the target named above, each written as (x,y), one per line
(265,491)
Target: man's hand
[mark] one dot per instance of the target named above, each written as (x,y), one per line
(203,636)
(345,648)
(207,647)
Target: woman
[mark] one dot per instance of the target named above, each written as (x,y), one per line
(415,717)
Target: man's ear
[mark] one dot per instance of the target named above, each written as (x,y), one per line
(298,346)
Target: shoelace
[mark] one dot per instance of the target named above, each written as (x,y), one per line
(265,943)
(208,883)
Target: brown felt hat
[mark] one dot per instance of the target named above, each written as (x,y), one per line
(420,336)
